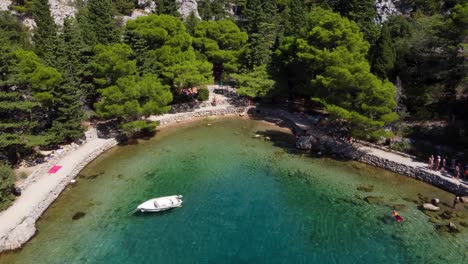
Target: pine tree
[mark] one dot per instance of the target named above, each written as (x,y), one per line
(259,19)
(383,54)
(99,24)
(167,7)
(68,112)
(295,13)
(191,22)
(45,34)
(213,10)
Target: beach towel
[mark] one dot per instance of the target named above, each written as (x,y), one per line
(54,169)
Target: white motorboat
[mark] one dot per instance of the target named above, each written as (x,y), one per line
(161,204)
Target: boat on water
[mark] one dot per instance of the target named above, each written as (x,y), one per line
(161,204)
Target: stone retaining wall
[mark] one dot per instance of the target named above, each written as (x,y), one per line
(177,118)
(448,184)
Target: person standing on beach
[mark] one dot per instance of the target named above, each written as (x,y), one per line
(437,163)
(430,162)
(444,164)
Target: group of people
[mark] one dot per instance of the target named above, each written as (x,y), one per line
(440,164)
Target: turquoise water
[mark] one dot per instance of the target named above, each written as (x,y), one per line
(246,200)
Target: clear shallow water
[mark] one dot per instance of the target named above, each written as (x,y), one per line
(246,200)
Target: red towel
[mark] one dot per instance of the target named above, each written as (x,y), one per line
(54,169)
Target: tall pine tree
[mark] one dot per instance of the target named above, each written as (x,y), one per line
(68,112)
(167,7)
(99,24)
(383,54)
(45,34)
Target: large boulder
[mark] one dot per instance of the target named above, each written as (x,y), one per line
(306,142)
(430,207)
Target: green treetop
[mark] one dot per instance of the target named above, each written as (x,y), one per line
(163,47)
(222,43)
(7,178)
(45,34)
(167,7)
(333,56)
(383,54)
(100,26)
(213,10)
(256,83)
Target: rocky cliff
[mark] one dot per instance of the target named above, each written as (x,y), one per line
(60,9)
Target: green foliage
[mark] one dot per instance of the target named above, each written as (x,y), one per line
(99,24)
(203,94)
(26,93)
(124,7)
(22,6)
(333,56)
(256,83)
(131,98)
(191,23)
(429,62)
(167,7)
(222,43)
(112,62)
(213,10)
(163,47)
(6,182)
(45,34)
(138,127)
(383,54)
(259,19)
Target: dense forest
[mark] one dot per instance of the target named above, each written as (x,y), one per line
(378,78)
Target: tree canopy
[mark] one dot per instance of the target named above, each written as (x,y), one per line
(333,52)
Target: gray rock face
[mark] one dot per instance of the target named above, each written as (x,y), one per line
(4,4)
(187,6)
(61,9)
(387,8)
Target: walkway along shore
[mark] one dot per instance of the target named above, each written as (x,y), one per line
(17,223)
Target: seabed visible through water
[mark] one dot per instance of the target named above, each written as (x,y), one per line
(246,200)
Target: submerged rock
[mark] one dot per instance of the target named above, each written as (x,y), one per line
(365,188)
(430,207)
(452,228)
(374,199)
(446,215)
(78,215)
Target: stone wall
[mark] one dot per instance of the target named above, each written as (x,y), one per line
(177,118)
(445,183)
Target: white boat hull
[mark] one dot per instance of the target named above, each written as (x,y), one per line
(161,204)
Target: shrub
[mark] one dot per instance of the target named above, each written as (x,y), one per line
(203,94)
(139,127)
(6,181)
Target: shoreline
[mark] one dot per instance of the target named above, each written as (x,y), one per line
(19,229)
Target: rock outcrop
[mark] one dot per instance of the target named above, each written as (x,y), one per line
(188,6)
(61,9)
(4,4)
